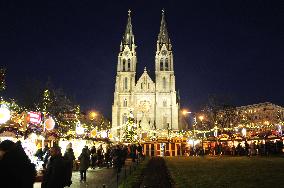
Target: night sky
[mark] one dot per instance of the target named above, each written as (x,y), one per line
(232,48)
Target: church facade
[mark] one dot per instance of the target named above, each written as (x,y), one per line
(152,103)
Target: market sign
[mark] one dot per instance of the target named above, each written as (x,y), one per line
(34,117)
(69,116)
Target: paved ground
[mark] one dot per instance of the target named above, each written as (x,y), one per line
(98,177)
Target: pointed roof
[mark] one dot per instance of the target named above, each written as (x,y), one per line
(145,74)
(128,37)
(163,37)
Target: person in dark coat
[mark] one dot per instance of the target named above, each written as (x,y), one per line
(100,154)
(17,171)
(133,149)
(93,157)
(246,148)
(84,159)
(69,157)
(54,174)
(117,158)
(139,150)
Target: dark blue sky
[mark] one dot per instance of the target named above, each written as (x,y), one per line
(232,48)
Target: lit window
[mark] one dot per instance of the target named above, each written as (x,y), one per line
(165,103)
(124,118)
(165,122)
(125,103)
(166,64)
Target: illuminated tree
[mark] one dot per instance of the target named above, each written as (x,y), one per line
(2,79)
(46,101)
(66,114)
(130,131)
(227,117)
(218,112)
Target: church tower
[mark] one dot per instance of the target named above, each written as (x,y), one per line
(152,104)
(166,104)
(125,78)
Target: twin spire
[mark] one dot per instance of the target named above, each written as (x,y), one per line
(163,37)
(128,37)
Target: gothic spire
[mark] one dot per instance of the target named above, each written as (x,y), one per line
(163,37)
(128,37)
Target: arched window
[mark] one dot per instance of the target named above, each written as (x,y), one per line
(141,85)
(166,64)
(124,118)
(165,122)
(164,83)
(129,64)
(161,65)
(164,103)
(123,65)
(125,83)
(125,103)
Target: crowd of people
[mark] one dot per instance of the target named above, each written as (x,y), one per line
(58,168)
(251,148)
(19,171)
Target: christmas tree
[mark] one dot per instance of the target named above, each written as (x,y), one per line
(130,131)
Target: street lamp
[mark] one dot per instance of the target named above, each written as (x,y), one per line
(185,112)
(92,115)
(201,117)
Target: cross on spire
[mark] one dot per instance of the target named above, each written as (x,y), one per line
(163,37)
(128,37)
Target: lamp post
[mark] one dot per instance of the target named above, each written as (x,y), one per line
(216,135)
(201,117)
(185,112)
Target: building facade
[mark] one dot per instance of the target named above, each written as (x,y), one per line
(261,116)
(152,103)
(262,113)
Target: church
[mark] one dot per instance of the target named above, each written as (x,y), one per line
(152,103)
